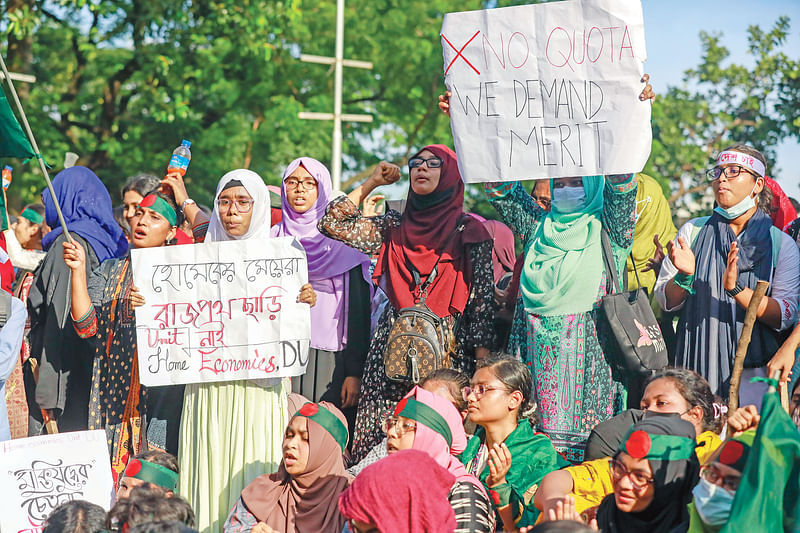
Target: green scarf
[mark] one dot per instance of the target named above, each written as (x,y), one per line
(532,457)
(564,263)
(653,217)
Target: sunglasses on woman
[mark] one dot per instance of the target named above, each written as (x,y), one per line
(432,162)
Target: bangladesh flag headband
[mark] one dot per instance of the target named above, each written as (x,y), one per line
(734,452)
(160,206)
(424,414)
(152,473)
(32,215)
(642,445)
(329,421)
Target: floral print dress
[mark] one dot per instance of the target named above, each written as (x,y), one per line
(344,222)
(573,385)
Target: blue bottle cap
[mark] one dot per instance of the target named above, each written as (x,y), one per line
(186,143)
(7,167)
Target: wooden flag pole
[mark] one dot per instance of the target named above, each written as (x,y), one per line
(37,154)
(744,342)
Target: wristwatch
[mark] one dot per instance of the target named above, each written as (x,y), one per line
(734,291)
(186,202)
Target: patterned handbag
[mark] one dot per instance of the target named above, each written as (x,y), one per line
(420,341)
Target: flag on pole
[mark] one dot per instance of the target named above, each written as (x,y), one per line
(768,497)
(13,142)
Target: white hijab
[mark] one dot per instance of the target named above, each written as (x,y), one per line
(259,222)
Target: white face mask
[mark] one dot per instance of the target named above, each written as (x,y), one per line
(568,199)
(713,503)
(735,211)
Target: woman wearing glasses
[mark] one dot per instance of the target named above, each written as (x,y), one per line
(719,480)
(712,269)
(340,321)
(231,432)
(408,247)
(653,474)
(506,454)
(428,422)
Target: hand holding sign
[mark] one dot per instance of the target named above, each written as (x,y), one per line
(547,90)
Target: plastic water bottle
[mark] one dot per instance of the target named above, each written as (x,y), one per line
(179,161)
(6,176)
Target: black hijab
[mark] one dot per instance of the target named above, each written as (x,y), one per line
(673,483)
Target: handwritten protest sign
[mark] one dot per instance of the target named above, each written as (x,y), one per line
(221,311)
(547,90)
(38,474)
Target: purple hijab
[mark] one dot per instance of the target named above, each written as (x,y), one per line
(328,260)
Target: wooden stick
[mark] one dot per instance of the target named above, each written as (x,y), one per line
(783,390)
(744,343)
(35,147)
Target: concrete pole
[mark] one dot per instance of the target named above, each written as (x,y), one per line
(336,156)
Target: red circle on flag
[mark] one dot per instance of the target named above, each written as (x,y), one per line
(400,406)
(133,468)
(638,444)
(731,453)
(309,409)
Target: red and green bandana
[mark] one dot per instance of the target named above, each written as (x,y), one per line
(160,206)
(329,421)
(415,410)
(642,445)
(152,473)
(32,215)
(734,452)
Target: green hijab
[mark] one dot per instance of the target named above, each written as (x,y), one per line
(564,263)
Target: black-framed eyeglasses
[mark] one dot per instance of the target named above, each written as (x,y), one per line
(713,475)
(479,391)
(292,183)
(730,172)
(639,479)
(432,162)
(400,426)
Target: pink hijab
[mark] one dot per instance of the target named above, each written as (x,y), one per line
(434,444)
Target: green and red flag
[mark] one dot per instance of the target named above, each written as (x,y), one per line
(768,498)
(13,142)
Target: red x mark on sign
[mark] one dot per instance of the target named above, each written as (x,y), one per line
(459,54)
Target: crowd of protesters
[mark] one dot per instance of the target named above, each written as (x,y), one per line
(528,428)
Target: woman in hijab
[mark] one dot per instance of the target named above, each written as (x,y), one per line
(503,258)
(408,247)
(61,392)
(102,309)
(653,474)
(712,269)
(340,321)
(231,431)
(302,495)
(430,423)
(385,498)
(562,282)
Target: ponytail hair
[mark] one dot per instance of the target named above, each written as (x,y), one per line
(516,377)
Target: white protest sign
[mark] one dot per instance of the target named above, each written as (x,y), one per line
(38,474)
(221,311)
(547,90)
